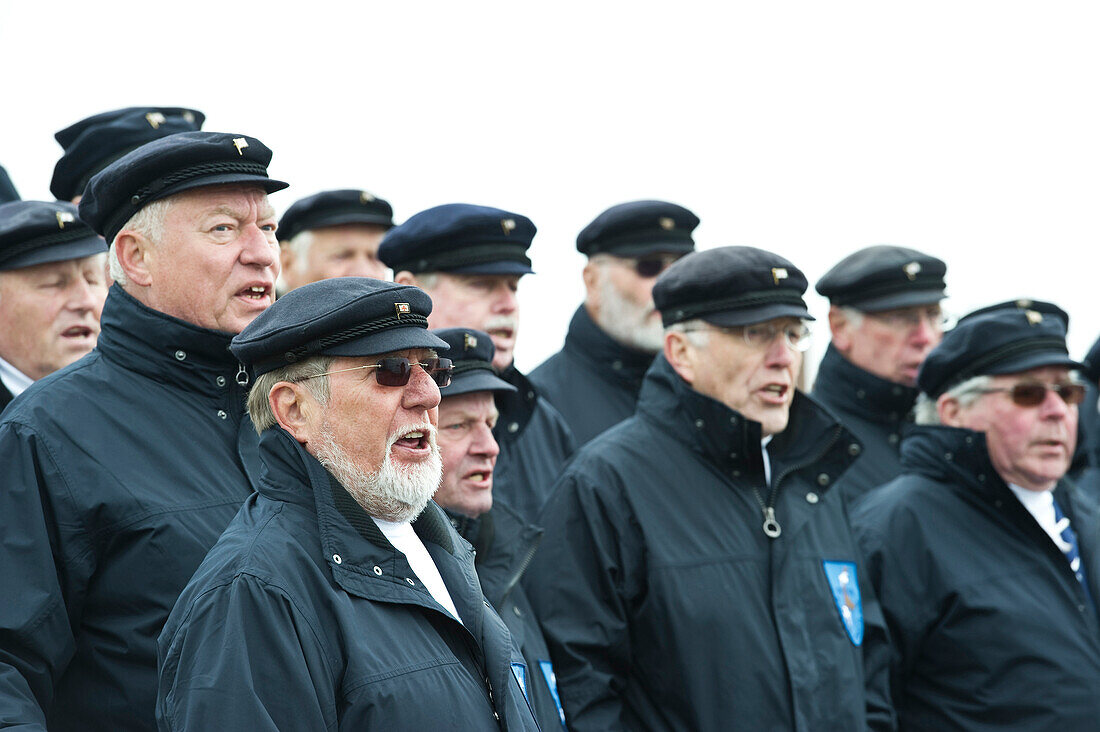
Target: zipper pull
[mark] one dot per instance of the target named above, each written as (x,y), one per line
(242,374)
(771,526)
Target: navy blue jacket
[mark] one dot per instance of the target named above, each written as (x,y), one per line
(505,545)
(664,604)
(534,443)
(593,381)
(991,629)
(874,409)
(304,617)
(119,473)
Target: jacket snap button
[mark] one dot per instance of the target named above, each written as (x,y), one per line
(409,580)
(854,449)
(516,610)
(513,427)
(700,424)
(823,479)
(378,570)
(222,414)
(997,503)
(180,355)
(811,497)
(733,419)
(336,558)
(617,365)
(892,439)
(220,381)
(948,456)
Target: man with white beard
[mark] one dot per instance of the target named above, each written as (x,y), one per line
(595,378)
(340,597)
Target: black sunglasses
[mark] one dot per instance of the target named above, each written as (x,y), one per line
(1033,393)
(653,265)
(397,371)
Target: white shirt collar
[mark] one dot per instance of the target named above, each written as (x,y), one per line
(14,379)
(1040,504)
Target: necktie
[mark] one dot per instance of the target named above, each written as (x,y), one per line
(1068,545)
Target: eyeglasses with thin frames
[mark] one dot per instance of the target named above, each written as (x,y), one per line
(761,335)
(393,371)
(907,319)
(1034,393)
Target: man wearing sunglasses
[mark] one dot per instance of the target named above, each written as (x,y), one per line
(121,470)
(470,259)
(885,317)
(985,560)
(698,570)
(340,597)
(595,378)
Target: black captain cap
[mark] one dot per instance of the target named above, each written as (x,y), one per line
(471,352)
(461,238)
(342,316)
(731,286)
(38,232)
(884,277)
(95,142)
(171,165)
(334,208)
(637,228)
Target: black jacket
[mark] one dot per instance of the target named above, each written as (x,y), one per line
(991,629)
(534,444)
(119,472)
(505,545)
(5,396)
(875,409)
(664,604)
(304,617)
(593,380)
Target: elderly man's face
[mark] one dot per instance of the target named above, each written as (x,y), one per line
(620,299)
(469,453)
(49,313)
(485,302)
(1029,446)
(217,262)
(890,344)
(757,380)
(336,251)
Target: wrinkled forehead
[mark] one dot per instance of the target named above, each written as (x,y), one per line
(230,197)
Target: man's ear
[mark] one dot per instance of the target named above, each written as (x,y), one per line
(287,263)
(949,410)
(591,276)
(295,409)
(681,354)
(841,328)
(133,250)
(405,277)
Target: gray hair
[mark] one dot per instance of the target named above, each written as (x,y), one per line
(299,246)
(259,408)
(965,393)
(149,222)
(853,316)
(427,280)
(695,331)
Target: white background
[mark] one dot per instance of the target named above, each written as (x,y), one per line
(968,130)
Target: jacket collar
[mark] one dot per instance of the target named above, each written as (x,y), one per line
(505,544)
(516,407)
(861,392)
(610,359)
(164,348)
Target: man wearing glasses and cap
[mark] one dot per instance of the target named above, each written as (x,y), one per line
(698,570)
(121,471)
(595,378)
(885,316)
(340,597)
(986,561)
(51,291)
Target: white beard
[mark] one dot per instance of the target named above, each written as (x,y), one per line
(391,494)
(628,323)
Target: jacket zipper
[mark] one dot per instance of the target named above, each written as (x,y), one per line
(771,526)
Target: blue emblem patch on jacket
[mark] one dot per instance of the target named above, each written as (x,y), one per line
(552,682)
(519,670)
(845,587)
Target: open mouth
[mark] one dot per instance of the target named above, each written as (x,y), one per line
(77,331)
(255,292)
(502,333)
(413,440)
(478,476)
(777,390)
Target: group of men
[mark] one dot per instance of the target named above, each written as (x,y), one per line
(283,473)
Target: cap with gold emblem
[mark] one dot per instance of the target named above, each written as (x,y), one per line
(37,232)
(471,352)
(884,277)
(731,286)
(335,208)
(999,341)
(1024,303)
(639,227)
(460,238)
(341,316)
(171,165)
(95,142)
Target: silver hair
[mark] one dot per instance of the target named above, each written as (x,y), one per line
(853,316)
(259,408)
(299,246)
(694,330)
(149,222)
(966,393)
(427,280)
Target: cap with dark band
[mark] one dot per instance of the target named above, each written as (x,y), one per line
(342,316)
(37,232)
(639,227)
(1023,303)
(334,208)
(471,353)
(95,142)
(731,286)
(884,277)
(171,165)
(460,238)
(1005,341)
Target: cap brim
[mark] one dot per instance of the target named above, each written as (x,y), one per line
(270,185)
(896,300)
(388,341)
(640,249)
(749,316)
(1034,360)
(77,249)
(489,268)
(471,381)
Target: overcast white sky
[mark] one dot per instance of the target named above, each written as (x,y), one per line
(969,130)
